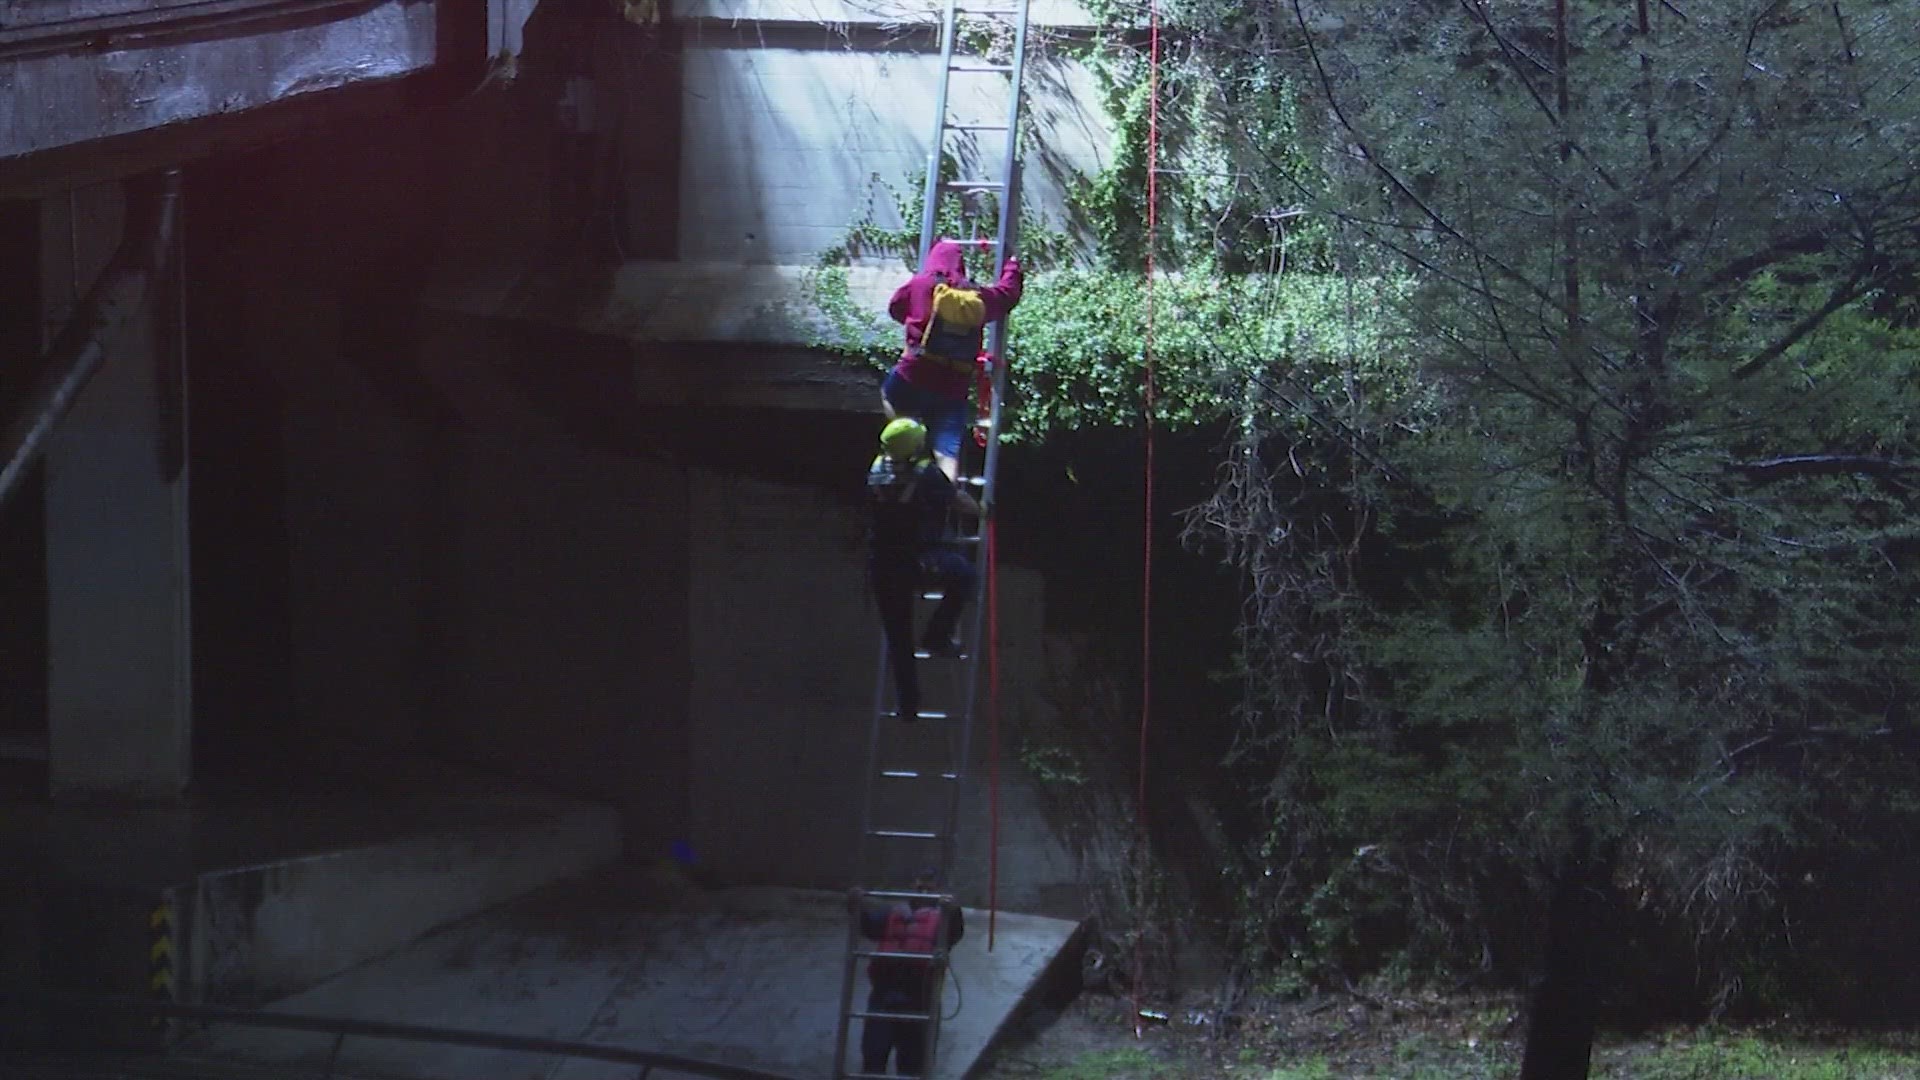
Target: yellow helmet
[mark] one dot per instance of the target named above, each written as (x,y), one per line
(903,438)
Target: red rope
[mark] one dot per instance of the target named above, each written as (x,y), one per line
(993,729)
(983,376)
(1146,572)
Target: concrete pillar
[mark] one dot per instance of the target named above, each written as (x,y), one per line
(119,697)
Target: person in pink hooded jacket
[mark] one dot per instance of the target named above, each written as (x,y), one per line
(931,383)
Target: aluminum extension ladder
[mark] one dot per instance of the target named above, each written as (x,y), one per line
(911,789)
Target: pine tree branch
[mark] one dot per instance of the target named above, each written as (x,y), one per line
(1811,242)
(1781,468)
(1393,179)
(1843,294)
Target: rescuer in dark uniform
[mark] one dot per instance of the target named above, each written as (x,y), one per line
(911,500)
(906,984)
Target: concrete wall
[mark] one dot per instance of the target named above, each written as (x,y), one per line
(447,538)
(119,670)
(464,581)
(800,117)
(694,646)
(23,579)
(255,933)
(357,503)
(545,181)
(785,646)
(563,621)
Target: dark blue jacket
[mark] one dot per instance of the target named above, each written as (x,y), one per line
(910,501)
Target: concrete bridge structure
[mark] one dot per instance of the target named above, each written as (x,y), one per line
(456,506)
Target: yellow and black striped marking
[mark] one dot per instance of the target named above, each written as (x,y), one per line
(160,954)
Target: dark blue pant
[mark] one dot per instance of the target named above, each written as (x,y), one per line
(895,582)
(905,1039)
(946,418)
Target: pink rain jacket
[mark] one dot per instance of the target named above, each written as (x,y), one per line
(912,305)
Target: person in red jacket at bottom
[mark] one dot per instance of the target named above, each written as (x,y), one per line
(902,984)
(934,377)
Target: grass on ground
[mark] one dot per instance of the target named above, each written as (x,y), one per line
(1419,1038)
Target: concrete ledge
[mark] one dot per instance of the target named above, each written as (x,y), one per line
(716,335)
(744,976)
(263,931)
(235,906)
(1042,13)
(677,302)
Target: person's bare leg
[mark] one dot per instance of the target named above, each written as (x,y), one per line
(948,465)
(887,407)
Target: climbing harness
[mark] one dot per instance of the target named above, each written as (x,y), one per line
(911,800)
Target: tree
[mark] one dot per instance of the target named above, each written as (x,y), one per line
(1615,597)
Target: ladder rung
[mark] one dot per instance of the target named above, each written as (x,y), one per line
(868,954)
(987,11)
(864,1015)
(977,127)
(978,69)
(922,654)
(976,481)
(885,894)
(923,714)
(903,834)
(915,774)
(974,185)
(933,594)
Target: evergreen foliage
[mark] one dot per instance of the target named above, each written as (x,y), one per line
(1626,614)
(1572,477)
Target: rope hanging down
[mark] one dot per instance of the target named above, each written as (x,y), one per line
(984,370)
(1146,560)
(993,730)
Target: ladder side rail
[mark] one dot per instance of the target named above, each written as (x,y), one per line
(854,902)
(1009,224)
(852,973)
(943,957)
(885,672)
(930,205)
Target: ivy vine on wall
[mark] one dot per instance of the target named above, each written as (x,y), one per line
(1247,298)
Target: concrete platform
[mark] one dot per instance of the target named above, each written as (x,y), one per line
(742,976)
(240,905)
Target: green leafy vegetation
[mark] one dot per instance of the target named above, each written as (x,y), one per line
(1053,765)
(1248,297)
(1749,1057)
(1568,367)
(1620,624)
(1078,357)
(975,214)
(1314,1068)
(1122,1064)
(1234,174)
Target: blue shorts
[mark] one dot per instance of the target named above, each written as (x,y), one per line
(946,419)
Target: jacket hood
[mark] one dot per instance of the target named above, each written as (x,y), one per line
(946,257)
